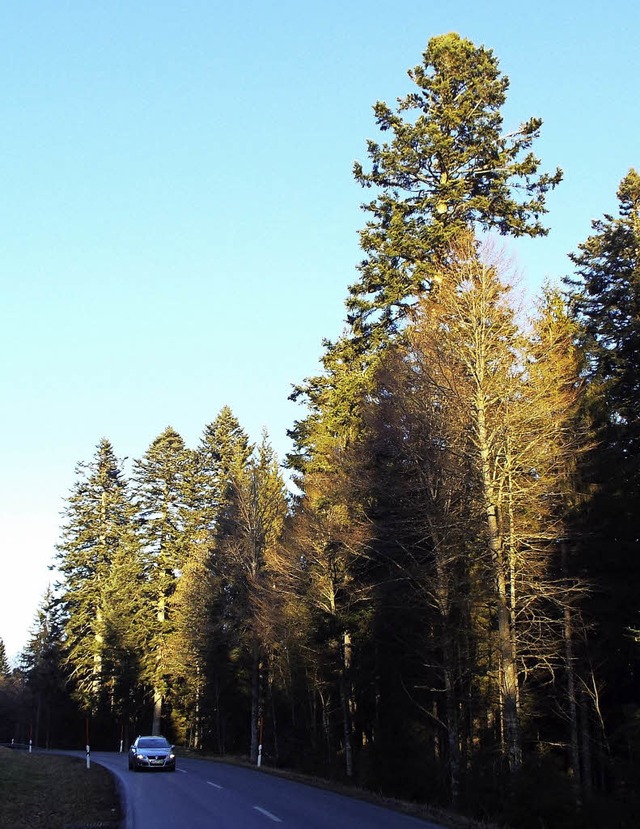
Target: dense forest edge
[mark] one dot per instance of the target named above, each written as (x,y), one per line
(435,595)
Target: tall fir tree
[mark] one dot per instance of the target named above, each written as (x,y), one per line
(52,713)
(447,171)
(12,703)
(448,167)
(200,640)
(253,525)
(605,300)
(224,445)
(555,391)
(163,496)
(96,539)
(4,662)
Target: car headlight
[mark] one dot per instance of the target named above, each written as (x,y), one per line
(172,756)
(139,756)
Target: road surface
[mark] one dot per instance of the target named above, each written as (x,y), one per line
(203,794)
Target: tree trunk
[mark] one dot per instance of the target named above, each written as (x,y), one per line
(345,700)
(326,718)
(219,730)
(274,720)
(452,737)
(156,727)
(197,727)
(508,672)
(97,657)
(574,746)
(157,693)
(585,734)
(443,603)
(256,711)
(574,750)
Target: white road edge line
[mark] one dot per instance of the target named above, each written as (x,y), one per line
(215,785)
(268,814)
(182,771)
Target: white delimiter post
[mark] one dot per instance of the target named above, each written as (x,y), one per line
(88,757)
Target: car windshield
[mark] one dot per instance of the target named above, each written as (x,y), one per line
(153,742)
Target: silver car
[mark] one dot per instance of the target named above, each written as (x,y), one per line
(152,753)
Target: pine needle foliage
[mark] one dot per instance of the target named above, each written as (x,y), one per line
(448,167)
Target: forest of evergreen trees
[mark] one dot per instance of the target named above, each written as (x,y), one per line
(435,595)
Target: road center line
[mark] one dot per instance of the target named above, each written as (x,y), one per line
(215,785)
(182,771)
(268,814)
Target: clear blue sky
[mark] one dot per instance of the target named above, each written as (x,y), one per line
(178,218)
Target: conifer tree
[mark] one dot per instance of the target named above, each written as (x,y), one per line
(330,530)
(253,526)
(163,497)
(208,626)
(605,300)
(95,538)
(447,173)
(324,567)
(47,680)
(12,694)
(192,645)
(448,167)
(4,662)
(199,640)
(224,446)
(555,396)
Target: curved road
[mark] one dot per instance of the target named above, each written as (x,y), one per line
(209,794)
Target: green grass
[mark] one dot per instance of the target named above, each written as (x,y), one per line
(44,791)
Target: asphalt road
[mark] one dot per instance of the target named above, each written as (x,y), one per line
(203,793)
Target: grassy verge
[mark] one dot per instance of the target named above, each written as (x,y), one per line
(43,791)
